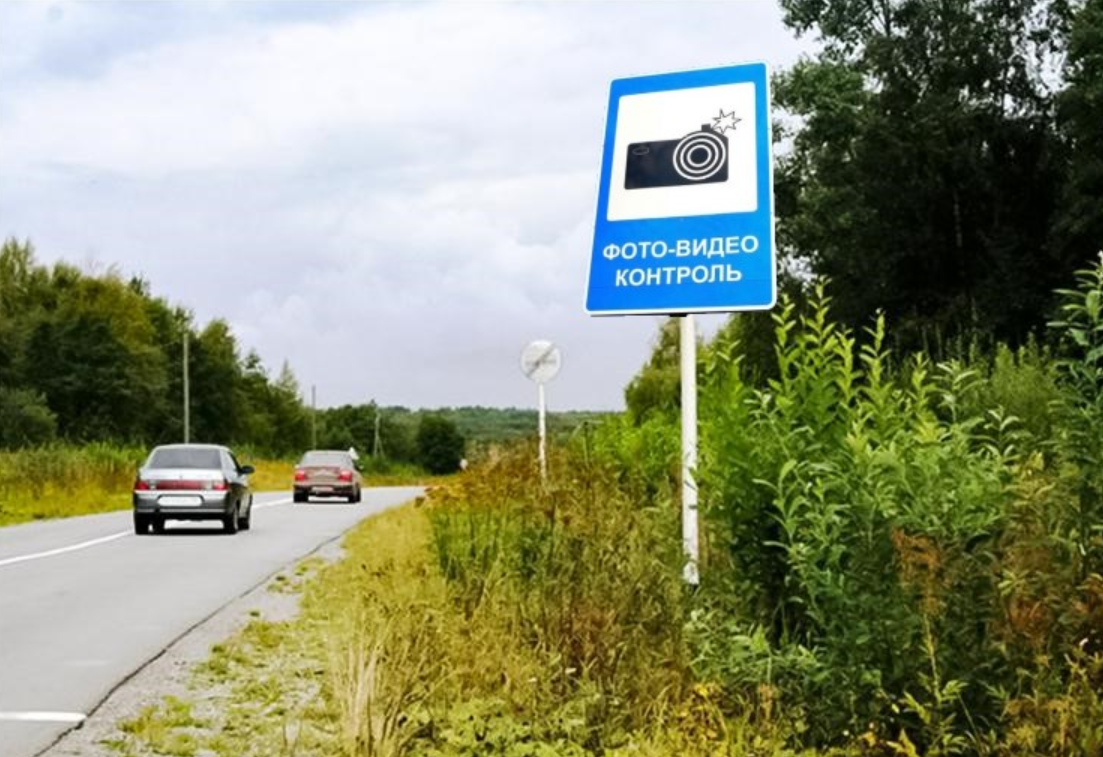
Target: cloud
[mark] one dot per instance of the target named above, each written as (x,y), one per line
(395,199)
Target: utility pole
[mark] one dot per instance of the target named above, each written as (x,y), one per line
(187,391)
(313,417)
(377,442)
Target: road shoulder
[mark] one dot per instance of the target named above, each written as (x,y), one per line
(169,675)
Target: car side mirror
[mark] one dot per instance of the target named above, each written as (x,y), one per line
(247,470)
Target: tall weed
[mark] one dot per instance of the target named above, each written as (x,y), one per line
(579,574)
(1081,377)
(59,480)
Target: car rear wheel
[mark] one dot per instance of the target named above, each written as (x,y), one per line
(158,523)
(229,522)
(299,496)
(245,522)
(141,524)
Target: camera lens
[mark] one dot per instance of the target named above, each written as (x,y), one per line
(700,155)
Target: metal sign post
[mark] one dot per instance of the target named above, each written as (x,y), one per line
(540,361)
(543,426)
(685,220)
(690,544)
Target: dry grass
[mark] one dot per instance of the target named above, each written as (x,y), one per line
(271,475)
(62,482)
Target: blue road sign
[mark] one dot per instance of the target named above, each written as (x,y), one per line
(685,214)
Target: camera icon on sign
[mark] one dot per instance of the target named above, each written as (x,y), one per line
(700,157)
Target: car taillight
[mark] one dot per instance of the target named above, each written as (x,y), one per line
(141,485)
(345,475)
(300,474)
(220,486)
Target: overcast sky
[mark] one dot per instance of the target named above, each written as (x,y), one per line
(394,198)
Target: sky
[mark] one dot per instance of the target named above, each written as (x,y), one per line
(393,198)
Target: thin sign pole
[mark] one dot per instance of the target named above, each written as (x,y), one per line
(543,435)
(689,450)
(187,392)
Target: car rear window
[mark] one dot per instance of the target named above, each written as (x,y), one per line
(185,458)
(325,458)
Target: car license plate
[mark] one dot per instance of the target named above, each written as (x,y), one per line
(323,488)
(180,501)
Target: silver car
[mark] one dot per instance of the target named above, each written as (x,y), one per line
(192,482)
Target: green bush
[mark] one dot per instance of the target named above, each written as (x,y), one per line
(1081,441)
(439,444)
(1024,383)
(857,515)
(645,458)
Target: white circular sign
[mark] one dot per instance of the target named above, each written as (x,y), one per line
(540,361)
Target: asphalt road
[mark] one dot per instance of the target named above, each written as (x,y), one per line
(84,602)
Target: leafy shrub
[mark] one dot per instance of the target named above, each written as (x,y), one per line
(439,444)
(645,459)
(1081,379)
(1064,722)
(1024,383)
(857,516)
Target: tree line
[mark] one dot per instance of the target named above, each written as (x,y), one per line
(944,160)
(437,439)
(88,358)
(98,358)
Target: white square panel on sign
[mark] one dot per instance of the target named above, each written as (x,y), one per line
(677,130)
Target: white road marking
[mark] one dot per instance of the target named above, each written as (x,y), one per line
(272,504)
(63,550)
(44,717)
(100,540)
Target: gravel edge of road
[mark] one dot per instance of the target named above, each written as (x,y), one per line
(168,674)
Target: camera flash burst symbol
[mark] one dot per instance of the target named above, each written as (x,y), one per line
(725,121)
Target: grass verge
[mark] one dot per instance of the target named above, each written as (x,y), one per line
(400,650)
(318,684)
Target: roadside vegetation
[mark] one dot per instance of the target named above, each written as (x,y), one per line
(894,564)
(55,480)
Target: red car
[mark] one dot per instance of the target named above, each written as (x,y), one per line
(327,473)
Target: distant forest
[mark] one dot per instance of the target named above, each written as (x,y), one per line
(354,426)
(96,358)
